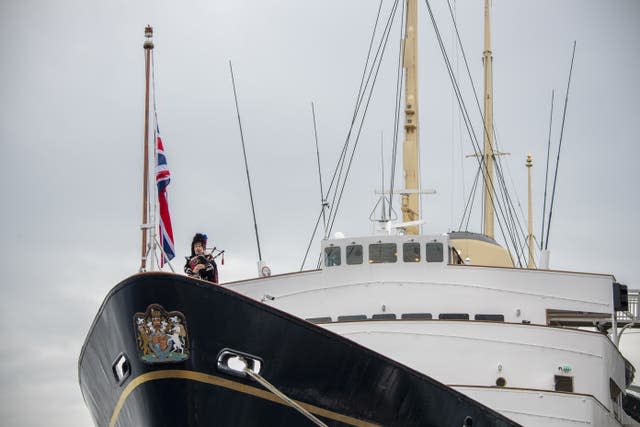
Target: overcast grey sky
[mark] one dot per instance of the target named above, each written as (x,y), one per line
(71,84)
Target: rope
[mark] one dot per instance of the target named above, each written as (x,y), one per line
(295,405)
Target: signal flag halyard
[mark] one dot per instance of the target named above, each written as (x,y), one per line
(163,178)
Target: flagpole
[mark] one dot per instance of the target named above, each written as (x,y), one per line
(148,46)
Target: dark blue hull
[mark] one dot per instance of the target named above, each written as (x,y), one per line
(340,382)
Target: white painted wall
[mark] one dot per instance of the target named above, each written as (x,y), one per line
(477,353)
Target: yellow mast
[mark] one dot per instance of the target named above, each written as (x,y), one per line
(488,155)
(411,152)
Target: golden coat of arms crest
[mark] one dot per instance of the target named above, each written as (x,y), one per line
(161,336)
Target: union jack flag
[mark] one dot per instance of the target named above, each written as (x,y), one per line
(163,178)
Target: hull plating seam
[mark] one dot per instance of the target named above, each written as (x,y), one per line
(232,385)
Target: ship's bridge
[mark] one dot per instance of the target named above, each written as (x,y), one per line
(426,250)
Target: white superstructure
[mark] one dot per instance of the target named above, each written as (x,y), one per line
(498,334)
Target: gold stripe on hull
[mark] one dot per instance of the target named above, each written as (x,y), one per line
(231,385)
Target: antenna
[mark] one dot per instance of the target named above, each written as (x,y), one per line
(546,175)
(384,205)
(263,270)
(323,200)
(564,114)
(384,222)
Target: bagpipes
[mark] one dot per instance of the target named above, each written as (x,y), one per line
(207,259)
(219,254)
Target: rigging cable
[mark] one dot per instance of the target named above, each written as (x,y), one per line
(246,165)
(517,218)
(315,134)
(313,235)
(546,174)
(468,204)
(378,58)
(453,134)
(337,173)
(322,200)
(464,110)
(396,118)
(507,200)
(373,72)
(474,189)
(564,114)
(476,145)
(462,169)
(512,217)
(341,157)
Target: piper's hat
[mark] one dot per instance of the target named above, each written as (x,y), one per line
(198,238)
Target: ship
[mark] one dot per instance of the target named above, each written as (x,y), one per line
(397,328)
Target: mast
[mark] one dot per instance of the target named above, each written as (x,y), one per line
(148,46)
(488,154)
(411,152)
(530,264)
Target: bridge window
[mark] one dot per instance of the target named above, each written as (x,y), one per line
(354,254)
(434,252)
(411,252)
(383,252)
(332,256)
